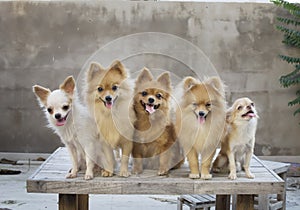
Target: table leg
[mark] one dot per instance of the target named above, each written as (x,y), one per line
(73,202)
(222,202)
(245,202)
(282,197)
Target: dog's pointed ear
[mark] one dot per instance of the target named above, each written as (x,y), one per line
(144,76)
(119,67)
(217,84)
(94,68)
(189,82)
(164,80)
(68,85)
(41,93)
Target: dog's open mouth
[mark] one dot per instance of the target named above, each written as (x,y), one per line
(62,121)
(249,114)
(201,119)
(150,108)
(109,104)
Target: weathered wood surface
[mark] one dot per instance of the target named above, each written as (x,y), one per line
(50,178)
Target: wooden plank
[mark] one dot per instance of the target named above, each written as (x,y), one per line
(83,202)
(50,178)
(245,202)
(223,202)
(72,202)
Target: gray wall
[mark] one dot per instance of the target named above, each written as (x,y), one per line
(43,42)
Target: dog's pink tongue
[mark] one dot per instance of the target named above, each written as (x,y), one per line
(60,122)
(251,115)
(109,105)
(201,120)
(150,109)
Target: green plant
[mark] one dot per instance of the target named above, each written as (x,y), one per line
(290,28)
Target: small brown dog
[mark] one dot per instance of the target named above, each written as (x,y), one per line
(154,137)
(238,145)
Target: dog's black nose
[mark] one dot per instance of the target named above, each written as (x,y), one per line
(201,114)
(108,98)
(57,116)
(150,100)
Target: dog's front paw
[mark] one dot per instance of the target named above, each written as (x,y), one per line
(124,173)
(162,172)
(136,170)
(232,176)
(194,176)
(88,176)
(105,173)
(206,176)
(71,175)
(250,175)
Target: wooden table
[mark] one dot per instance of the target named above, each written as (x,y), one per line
(73,193)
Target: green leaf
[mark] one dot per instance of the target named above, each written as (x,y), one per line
(288,21)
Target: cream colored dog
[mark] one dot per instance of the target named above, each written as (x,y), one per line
(238,145)
(200,121)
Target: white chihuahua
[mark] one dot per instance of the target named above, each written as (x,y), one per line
(71,121)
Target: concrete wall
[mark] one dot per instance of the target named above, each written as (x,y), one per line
(43,42)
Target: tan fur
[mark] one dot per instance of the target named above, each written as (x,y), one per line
(238,144)
(200,135)
(114,121)
(155,134)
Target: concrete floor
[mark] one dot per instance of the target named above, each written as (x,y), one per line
(13,195)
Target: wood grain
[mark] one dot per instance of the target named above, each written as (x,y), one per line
(50,178)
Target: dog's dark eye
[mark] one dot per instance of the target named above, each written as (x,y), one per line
(195,104)
(114,88)
(208,104)
(100,89)
(239,107)
(144,93)
(252,104)
(65,107)
(158,95)
(49,110)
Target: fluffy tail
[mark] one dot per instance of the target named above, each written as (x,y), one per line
(220,164)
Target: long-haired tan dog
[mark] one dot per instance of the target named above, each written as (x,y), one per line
(108,96)
(200,121)
(238,144)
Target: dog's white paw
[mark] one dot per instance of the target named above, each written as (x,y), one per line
(194,176)
(206,176)
(250,175)
(105,173)
(88,176)
(71,175)
(124,173)
(162,172)
(232,176)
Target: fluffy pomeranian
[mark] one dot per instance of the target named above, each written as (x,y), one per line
(71,121)
(200,121)
(154,136)
(238,145)
(108,94)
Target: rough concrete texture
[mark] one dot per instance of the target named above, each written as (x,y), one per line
(43,42)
